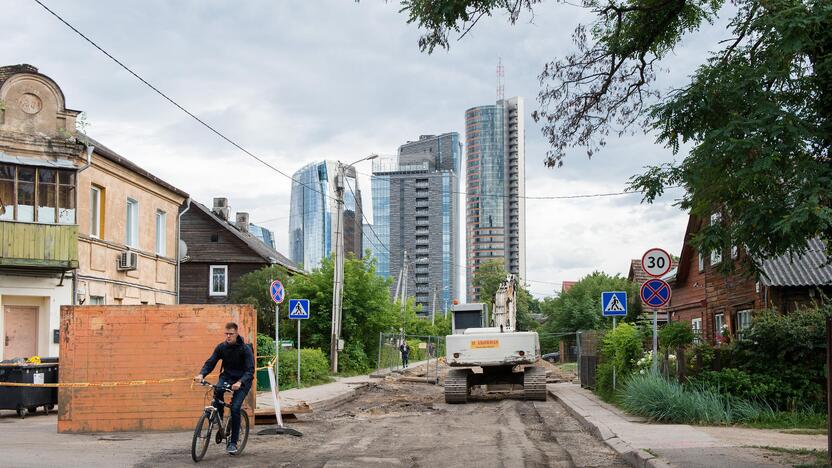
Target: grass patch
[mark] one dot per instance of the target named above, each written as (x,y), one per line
(662,400)
(818,458)
(568,367)
(803,419)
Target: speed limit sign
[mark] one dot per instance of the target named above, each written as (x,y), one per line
(656,262)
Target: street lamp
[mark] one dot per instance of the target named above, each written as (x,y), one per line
(338,273)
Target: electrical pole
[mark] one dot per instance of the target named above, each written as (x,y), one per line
(433,313)
(337,277)
(338,264)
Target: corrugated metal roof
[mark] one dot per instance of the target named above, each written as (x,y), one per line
(809,269)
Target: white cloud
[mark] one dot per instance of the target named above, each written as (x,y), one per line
(296,82)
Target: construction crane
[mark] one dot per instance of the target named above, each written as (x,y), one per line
(505,355)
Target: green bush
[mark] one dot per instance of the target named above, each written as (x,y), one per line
(314,368)
(265,348)
(353,360)
(791,349)
(675,334)
(663,400)
(621,349)
(741,384)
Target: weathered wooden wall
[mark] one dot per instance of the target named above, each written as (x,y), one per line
(38,245)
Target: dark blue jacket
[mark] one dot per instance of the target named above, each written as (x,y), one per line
(237,362)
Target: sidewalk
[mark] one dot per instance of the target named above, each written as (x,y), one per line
(315,398)
(662,445)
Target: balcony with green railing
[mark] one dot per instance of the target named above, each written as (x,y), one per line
(38,246)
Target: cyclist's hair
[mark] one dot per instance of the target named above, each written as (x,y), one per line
(230,325)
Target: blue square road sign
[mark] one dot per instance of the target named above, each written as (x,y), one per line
(298,309)
(614,303)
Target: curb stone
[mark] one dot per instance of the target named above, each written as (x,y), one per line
(637,458)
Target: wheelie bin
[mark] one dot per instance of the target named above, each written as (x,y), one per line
(26,400)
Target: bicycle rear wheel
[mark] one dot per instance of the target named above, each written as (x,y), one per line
(202,436)
(241,443)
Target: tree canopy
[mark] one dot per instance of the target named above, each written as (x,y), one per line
(579,308)
(367,309)
(757,113)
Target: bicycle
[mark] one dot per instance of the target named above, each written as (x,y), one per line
(210,418)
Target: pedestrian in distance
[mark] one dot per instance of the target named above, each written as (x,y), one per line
(405,350)
(237,371)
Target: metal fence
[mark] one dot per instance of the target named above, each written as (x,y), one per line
(564,351)
(425,351)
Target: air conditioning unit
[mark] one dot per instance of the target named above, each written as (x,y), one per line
(128,261)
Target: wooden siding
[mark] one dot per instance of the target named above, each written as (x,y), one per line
(197,231)
(193,287)
(38,245)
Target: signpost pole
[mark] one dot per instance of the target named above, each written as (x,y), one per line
(277,338)
(613,364)
(298,353)
(655,342)
(829,387)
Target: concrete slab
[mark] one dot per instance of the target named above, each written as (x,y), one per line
(318,397)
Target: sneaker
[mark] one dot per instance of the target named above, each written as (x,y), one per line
(232,449)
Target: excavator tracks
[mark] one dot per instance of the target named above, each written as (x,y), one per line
(456,386)
(534,384)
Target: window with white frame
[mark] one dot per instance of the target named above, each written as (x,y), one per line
(701,262)
(218,277)
(96,300)
(696,328)
(719,325)
(96,210)
(161,221)
(743,320)
(131,237)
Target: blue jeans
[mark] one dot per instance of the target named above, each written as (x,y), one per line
(236,405)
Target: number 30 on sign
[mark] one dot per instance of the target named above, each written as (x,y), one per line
(656,262)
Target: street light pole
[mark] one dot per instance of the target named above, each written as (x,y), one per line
(338,273)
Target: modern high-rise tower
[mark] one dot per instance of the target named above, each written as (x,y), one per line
(495,215)
(415,201)
(312,214)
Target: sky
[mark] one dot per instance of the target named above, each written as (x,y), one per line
(298,81)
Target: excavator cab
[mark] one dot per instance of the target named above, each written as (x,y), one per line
(474,315)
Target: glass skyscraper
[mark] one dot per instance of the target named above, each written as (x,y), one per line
(312,214)
(415,200)
(495,178)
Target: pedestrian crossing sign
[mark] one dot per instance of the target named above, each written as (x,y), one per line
(614,303)
(298,309)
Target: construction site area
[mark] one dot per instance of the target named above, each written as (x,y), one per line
(394,420)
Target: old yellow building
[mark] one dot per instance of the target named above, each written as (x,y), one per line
(39,161)
(127,221)
(79,224)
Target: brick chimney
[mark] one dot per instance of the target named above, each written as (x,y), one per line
(221,207)
(242,222)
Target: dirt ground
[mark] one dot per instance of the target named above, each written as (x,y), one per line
(393,422)
(396,423)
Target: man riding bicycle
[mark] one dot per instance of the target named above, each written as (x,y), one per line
(237,371)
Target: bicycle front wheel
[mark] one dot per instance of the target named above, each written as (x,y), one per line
(202,436)
(241,443)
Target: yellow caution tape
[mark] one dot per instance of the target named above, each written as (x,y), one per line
(127,383)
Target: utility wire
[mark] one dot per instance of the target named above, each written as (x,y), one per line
(266,163)
(177,105)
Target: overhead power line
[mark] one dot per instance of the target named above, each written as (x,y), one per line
(177,105)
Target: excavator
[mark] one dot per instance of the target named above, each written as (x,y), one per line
(492,344)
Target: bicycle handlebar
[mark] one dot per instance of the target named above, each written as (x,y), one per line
(225,388)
